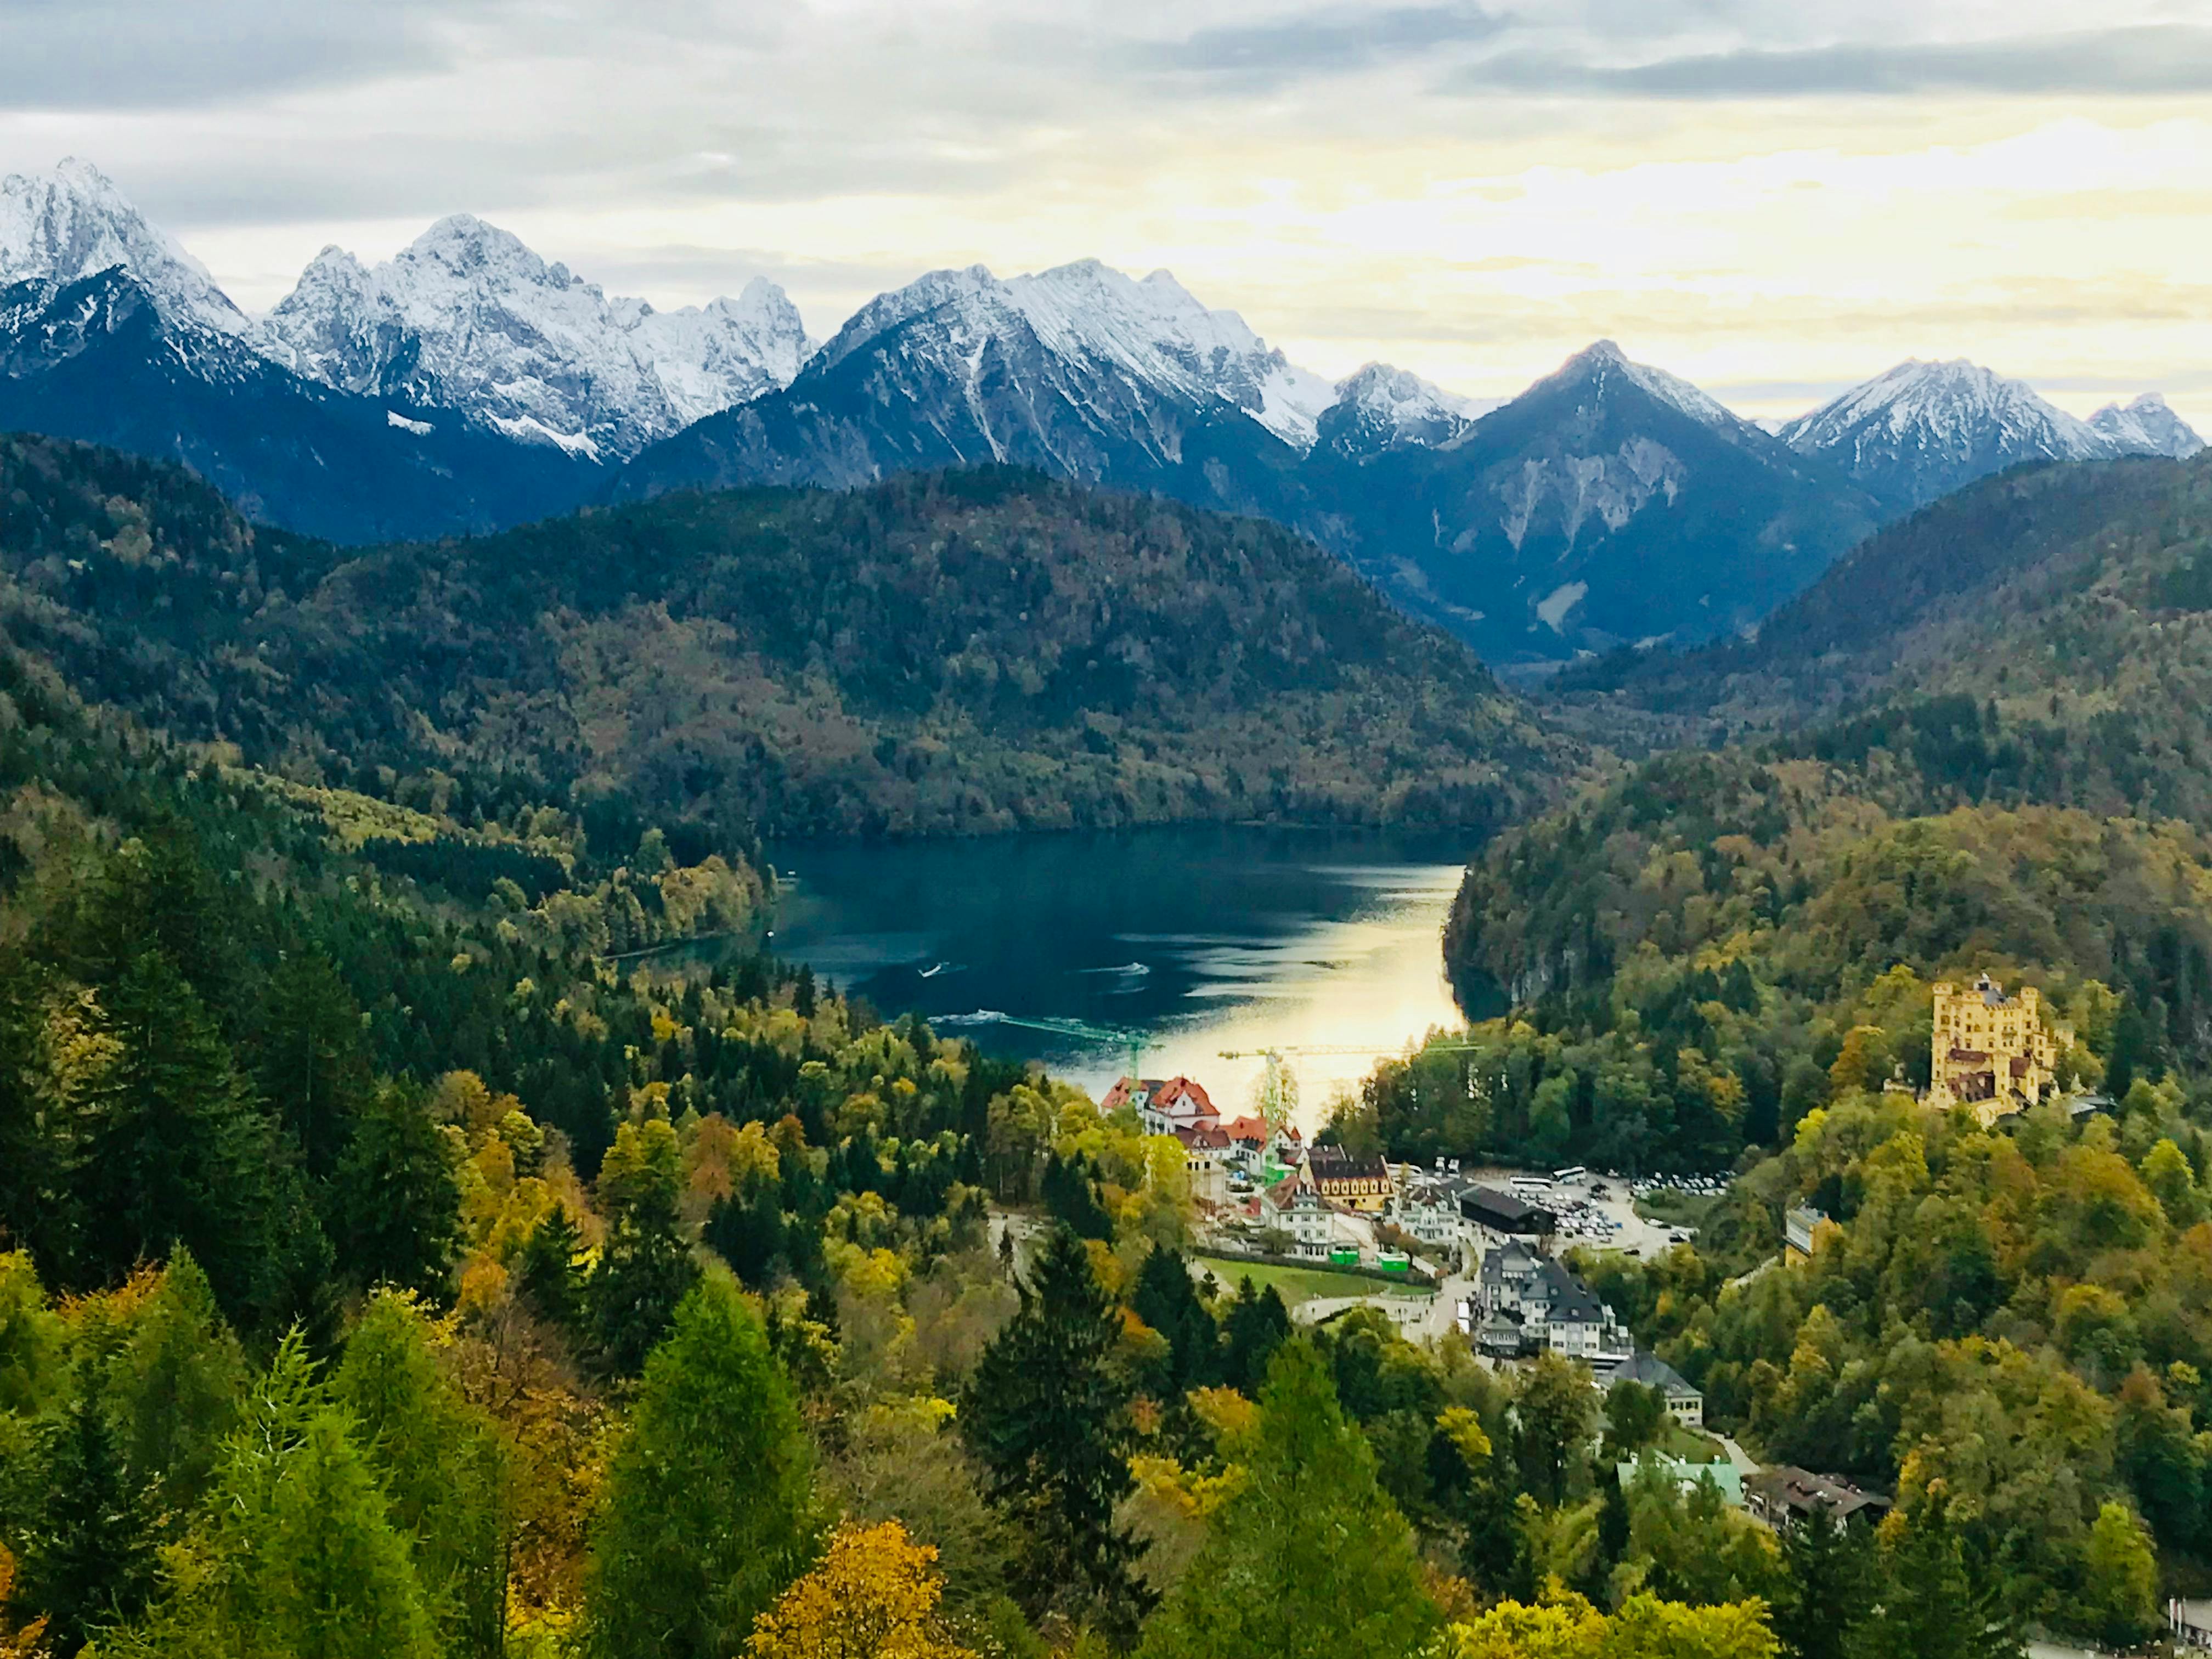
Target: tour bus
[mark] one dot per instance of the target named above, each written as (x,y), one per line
(1575,1172)
(1525,1185)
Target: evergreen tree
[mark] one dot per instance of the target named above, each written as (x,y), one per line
(175,1389)
(708,1513)
(307,1059)
(1166,1300)
(748,1230)
(1310,1560)
(1934,1603)
(547,1275)
(86,1558)
(1830,1575)
(1044,1411)
(1070,1199)
(178,1153)
(394,1203)
(1258,1324)
(36,1164)
(294,1554)
(443,1465)
(645,1268)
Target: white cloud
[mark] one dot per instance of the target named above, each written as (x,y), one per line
(1764,197)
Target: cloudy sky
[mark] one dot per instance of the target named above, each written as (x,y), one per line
(1772,199)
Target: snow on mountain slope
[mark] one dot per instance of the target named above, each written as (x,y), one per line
(468,317)
(1606,357)
(1923,429)
(2147,426)
(73,224)
(1158,331)
(1379,408)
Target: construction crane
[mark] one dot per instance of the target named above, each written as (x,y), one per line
(1106,1037)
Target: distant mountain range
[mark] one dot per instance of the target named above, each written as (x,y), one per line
(467,384)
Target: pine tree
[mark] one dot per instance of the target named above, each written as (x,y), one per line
(442,1467)
(87,1556)
(645,1268)
(307,1059)
(1070,1198)
(179,1152)
(394,1202)
(1044,1411)
(547,1275)
(709,1512)
(176,1389)
(1166,1300)
(748,1230)
(1934,1604)
(1257,1325)
(295,1553)
(1830,1572)
(1310,1560)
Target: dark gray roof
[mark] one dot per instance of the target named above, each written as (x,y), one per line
(1488,1204)
(1647,1368)
(1802,1491)
(1567,1300)
(1514,1256)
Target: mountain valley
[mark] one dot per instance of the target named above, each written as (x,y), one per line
(467,384)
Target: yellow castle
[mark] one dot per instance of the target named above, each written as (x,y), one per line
(1992,1052)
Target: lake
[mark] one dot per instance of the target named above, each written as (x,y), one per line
(1198,940)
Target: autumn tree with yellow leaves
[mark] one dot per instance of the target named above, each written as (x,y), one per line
(874,1596)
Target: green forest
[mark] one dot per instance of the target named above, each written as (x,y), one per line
(969,653)
(397,1256)
(1971,749)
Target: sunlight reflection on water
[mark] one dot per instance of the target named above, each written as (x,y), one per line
(1202,939)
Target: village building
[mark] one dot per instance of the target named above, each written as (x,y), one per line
(1800,1225)
(1783,1496)
(1991,1053)
(1505,1212)
(1684,1403)
(1552,1308)
(1427,1208)
(1499,1338)
(1205,1161)
(1293,1208)
(1357,1182)
(1509,1273)
(1251,1149)
(1565,1316)
(1163,1104)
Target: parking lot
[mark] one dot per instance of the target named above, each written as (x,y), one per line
(1598,1210)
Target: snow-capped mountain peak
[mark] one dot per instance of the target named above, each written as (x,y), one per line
(1091,319)
(1157,330)
(468,317)
(74,222)
(1378,408)
(1955,404)
(1604,359)
(2147,426)
(1923,429)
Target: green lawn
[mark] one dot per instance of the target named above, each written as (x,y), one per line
(1686,1443)
(1675,1209)
(1297,1285)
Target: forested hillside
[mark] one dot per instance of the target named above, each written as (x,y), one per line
(1724,958)
(2037,637)
(969,653)
(386,1270)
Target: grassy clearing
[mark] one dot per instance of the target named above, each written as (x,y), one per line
(1297,1285)
(1675,1209)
